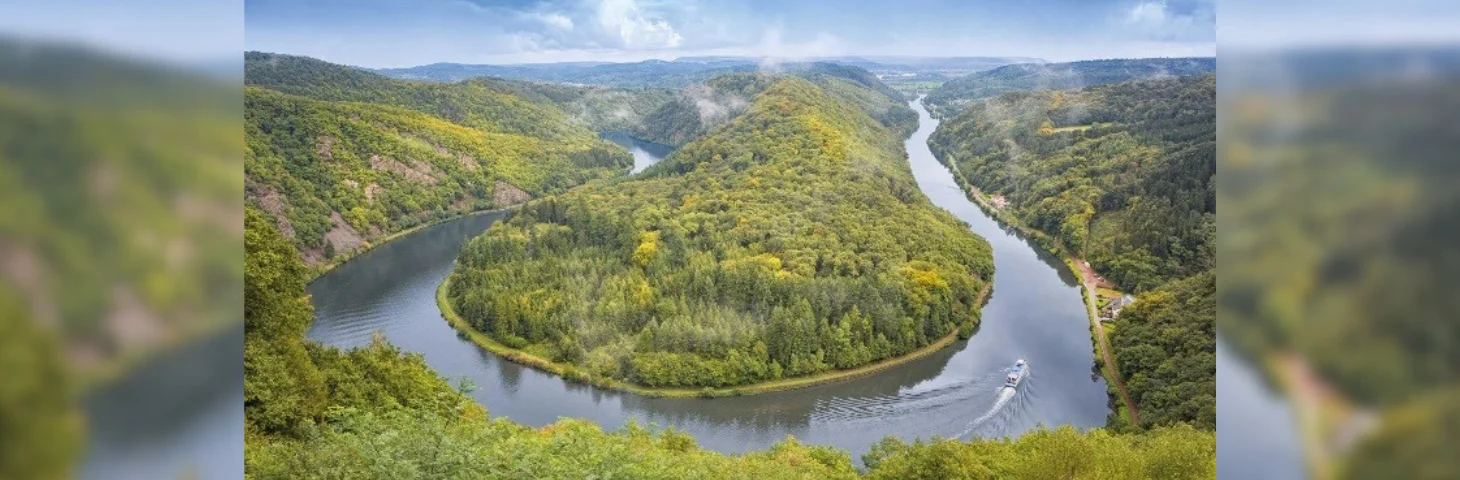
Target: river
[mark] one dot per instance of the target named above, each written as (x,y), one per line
(645,152)
(1035,312)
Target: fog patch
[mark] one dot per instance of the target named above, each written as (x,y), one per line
(714,107)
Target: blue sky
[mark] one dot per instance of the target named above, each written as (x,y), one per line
(392,33)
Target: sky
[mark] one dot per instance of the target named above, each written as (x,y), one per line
(402,33)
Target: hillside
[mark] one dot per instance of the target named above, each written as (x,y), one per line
(314,412)
(648,73)
(597,108)
(683,71)
(698,109)
(1122,175)
(748,255)
(485,104)
(960,93)
(119,186)
(1369,308)
(349,157)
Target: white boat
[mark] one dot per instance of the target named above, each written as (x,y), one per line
(1021,369)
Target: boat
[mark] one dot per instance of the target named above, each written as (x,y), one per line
(1021,369)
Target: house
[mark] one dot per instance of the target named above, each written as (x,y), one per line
(1114,307)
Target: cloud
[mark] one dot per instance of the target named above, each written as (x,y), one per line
(1148,14)
(635,29)
(1166,21)
(554,20)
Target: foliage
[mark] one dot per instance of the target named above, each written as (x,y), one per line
(317,411)
(781,225)
(597,108)
(485,104)
(336,173)
(1168,452)
(698,109)
(748,255)
(1122,175)
(357,444)
(376,413)
(1166,347)
(1338,239)
(1415,440)
(960,93)
(119,212)
(38,417)
(1133,193)
(645,74)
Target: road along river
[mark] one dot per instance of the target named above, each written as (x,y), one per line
(1035,312)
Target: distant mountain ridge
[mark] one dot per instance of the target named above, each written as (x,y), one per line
(682,71)
(958,94)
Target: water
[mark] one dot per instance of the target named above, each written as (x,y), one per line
(645,152)
(1259,437)
(1035,312)
(180,415)
(134,432)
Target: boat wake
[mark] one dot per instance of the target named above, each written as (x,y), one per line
(1005,394)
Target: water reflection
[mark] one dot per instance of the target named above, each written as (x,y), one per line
(1035,313)
(180,414)
(1258,438)
(645,153)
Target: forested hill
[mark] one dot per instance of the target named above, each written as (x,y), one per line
(697,109)
(314,411)
(793,240)
(1122,175)
(341,157)
(485,104)
(648,73)
(958,94)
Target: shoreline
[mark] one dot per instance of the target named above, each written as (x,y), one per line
(93,379)
(573,373)
(1101,347)
(318,271)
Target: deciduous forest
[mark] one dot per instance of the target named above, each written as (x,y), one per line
(958,94)
(746,256)
(378,413)
(347,157)
(1123,176)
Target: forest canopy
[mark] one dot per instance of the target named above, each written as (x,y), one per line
(1122,175)
(348,157)
(749,255)
(317,412)
(960,93)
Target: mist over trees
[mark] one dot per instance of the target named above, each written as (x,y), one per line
(961,93)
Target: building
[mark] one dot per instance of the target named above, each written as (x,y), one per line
(1113,308)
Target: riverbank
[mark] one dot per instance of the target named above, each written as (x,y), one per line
(1088,290)
(1329,424)
(320,270)
(110,372)
(573,373)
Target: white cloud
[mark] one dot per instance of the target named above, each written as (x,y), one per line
(1148,14)
(1157,20)
(555,20)
(633,28)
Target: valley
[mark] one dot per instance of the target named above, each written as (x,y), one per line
(724,269)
